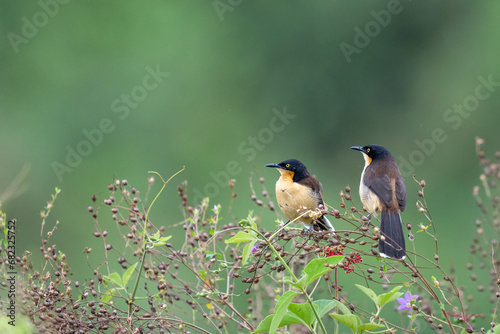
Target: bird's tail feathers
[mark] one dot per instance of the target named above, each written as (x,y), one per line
(393,245)
(324,224)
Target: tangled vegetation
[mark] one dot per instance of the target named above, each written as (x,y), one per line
(236,277)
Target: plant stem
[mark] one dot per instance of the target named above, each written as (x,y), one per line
(303,290)
(132,297)
(144,243)
(434,295)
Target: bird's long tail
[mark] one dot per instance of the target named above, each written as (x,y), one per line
(324,224)
(394,244)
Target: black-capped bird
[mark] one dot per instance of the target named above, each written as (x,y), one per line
(382,190)
(297,192)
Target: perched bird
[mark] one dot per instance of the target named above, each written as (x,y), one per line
(382,190)
(297,191)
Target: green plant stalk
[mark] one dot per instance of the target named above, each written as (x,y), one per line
(283,262)
(284,225)
(144,244)
(48,208)
(434,295)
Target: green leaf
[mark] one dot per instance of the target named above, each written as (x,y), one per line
(108,295)
(495,330)
(342,307)
(370,293)
(246,252)
(352,321)
(281,308)
(264,324)
(162,241)
(301,284)
(251,221)
(248,222)
(128,273)
(316,268)
(288,319)
(202,273)
(240,237)
(115,279)
(209,256)
(390,296)
(369,326)
(291,318)
(303,311)
(324,306)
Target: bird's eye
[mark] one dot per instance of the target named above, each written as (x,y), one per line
(287,165)
(368,150)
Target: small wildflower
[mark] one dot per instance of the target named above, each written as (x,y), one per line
(255,248)
(435,281)
(423,228)
(407,302)
(332,251)
(346,265)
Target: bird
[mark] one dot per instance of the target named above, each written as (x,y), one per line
(297,192)
(382,190)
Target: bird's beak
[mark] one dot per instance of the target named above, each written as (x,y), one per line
(358,148)
(273,165)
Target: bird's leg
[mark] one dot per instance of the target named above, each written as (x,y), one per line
(310,228)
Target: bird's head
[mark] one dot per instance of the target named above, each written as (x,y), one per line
(371,152)
(292,167)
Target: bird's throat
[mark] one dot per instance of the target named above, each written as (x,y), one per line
(368,160)
(286,175)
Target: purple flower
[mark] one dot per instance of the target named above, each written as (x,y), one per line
(407,301)
(255,248)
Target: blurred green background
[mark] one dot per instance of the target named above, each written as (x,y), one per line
(236,85)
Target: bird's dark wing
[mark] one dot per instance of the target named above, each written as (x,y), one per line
(401,193)
(380,185)
(315,187)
